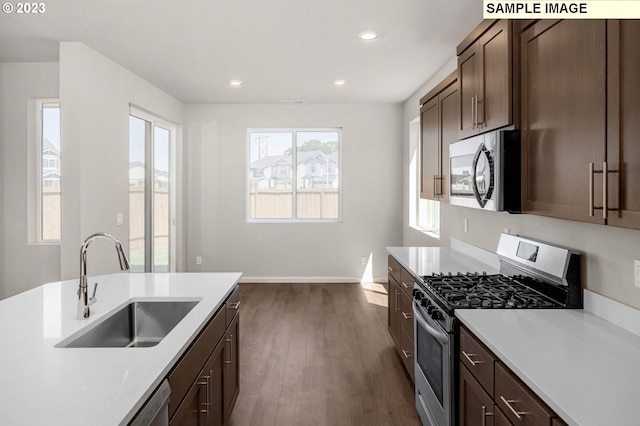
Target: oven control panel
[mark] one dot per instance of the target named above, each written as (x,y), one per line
(429,308)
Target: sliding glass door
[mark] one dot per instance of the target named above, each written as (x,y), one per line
(150,194)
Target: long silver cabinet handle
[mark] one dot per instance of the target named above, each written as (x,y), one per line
(591,172)
(406,354)
(605,189)
(235,306)
(229,340)
(405,285)
(485,413)
(468,357)
(473,114)
(407,316)
(508,402)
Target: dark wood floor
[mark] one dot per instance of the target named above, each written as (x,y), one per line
(319,354)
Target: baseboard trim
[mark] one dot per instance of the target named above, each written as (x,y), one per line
(308,280)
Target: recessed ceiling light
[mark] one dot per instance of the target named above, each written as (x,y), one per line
(368,35)
(235,83)
(339,82)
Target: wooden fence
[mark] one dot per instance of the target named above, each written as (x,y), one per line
(278,204)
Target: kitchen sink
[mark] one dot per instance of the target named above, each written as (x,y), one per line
(136,325)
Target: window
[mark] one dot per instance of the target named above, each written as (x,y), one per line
(48,198)
(424,215)
(294,175)
(151,206)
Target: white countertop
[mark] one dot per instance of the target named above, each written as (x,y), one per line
(585,368)
(430,260)
(42,384)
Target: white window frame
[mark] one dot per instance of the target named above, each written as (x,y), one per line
(420,210)
(40,103)
(294,219)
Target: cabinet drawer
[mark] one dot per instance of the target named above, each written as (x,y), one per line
(232,306)
(406,282)
(406,352)
(406,313)
(478,360)
(517,402)
(394,269)
(188,368)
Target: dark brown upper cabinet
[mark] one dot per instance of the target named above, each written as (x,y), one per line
(438,129)
(485,78)
(623,123)
(563,121)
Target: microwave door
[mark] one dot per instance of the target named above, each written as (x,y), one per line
(482,175)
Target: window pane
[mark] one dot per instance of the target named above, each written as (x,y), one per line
(161,202)
(50,213)
(317,175)
(270,175)
(137,139)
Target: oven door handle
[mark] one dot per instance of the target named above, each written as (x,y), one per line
(441,337)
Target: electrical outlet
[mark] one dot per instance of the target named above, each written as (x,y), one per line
(119,219)
(198,260)
(363,261)
(466,225)
(506,231)
(636,267)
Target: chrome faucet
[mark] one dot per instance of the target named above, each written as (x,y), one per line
(83,299)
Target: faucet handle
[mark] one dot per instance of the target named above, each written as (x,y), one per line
(93,299)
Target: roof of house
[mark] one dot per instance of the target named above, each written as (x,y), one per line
(268,161)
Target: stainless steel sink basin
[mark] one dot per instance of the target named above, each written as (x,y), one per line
(135,325)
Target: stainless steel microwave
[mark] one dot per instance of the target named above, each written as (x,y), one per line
(485,171)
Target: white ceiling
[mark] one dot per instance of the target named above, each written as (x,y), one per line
(280,49)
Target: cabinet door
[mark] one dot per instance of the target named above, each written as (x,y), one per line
(476,406)
(468,69)
(231,372)
(495,88)
(448,134)
(430,150)
(192,410)
(563,71)
(394,310)
(623,124)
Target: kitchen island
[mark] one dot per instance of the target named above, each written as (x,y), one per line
(45,384)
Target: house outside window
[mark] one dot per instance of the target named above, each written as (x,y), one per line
(294,175)
(48,161)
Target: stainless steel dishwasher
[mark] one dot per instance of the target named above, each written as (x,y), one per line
(155,411)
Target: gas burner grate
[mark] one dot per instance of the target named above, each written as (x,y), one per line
(484,291)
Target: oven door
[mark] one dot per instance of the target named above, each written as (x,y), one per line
(433,370)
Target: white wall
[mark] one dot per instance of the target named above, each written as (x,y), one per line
(608,251)
(95,93)
(215,193)
(22,265)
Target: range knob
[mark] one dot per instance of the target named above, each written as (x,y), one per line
(430,309)
(416,291)
(436,315)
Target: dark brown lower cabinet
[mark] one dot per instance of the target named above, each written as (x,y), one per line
(502,399)
(231,372)
(205,380)
(203,404)
(401,313)
(476,406)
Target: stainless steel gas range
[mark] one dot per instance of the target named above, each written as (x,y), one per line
(533,275)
